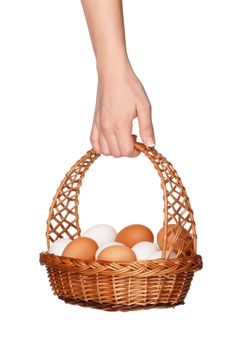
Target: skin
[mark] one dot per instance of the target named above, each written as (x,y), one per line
(121,96)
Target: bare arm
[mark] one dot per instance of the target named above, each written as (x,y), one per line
(120,95)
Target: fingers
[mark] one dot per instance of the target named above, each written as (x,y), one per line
(103,139)
(126,141)
(105,149)
(134,153)
(117,143)
(112,142)
(94,138)
(118,137)
(145,124)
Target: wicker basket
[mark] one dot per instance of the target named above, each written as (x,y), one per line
(121,286)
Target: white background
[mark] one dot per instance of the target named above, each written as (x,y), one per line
(181,51)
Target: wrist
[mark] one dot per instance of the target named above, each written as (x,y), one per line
(113,65)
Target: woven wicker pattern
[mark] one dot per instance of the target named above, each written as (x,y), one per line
(121,286)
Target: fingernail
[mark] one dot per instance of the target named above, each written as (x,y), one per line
(150,142)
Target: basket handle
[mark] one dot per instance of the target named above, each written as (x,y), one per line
(63,219)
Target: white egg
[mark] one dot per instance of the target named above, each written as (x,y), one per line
(58,246)
(105,245)
(158,255)
(144,249)
(101,233)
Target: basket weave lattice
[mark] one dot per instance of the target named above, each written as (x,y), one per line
(121,286)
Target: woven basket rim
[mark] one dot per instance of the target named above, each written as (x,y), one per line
(105,262)
(182,264)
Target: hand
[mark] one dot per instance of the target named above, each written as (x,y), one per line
(120,98)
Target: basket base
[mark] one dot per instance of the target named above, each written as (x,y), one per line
(111,307)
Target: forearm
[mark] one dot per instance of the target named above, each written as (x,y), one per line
(106,27)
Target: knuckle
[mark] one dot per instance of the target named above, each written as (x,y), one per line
(93,139)
(127,151)
(116,154)
(105,153)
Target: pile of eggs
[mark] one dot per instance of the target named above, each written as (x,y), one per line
(134,242)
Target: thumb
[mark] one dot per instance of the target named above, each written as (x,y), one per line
(146,127)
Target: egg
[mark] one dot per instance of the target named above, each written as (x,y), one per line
(184,242)
(158,255)
(83,248)
(117,254)
(144,249)
(101,233)
(58,246)
(132,234)
(105,245)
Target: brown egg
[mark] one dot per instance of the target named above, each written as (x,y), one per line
(183,244)
(83,248)
(117,253)
(132,234)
